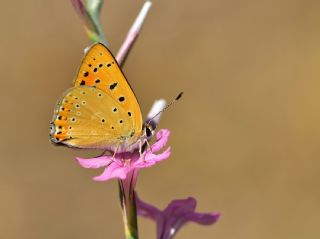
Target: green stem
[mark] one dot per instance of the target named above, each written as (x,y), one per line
(89,13)
(128,206)
(94,30)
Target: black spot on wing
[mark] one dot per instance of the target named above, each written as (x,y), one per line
(112,86)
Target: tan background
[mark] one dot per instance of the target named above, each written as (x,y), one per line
(245,137)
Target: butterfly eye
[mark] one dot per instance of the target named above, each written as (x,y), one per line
(148,131)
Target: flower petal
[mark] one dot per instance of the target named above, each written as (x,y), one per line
(185,205)
(182,212)
(94,162)
(114,170)
(158,157)
(147,210)
(149,159)
(162,137)
(204,218)
(175,215)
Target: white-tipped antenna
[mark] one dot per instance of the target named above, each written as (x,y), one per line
(165,108)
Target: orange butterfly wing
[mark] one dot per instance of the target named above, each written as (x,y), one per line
(85,116)
(100,69)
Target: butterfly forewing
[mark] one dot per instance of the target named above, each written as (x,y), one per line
(100,69)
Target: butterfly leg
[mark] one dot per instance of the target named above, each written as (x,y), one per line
(115,152)
(148,146)
(140,148)
(113,156)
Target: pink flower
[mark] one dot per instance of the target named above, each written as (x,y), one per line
(125,167)
(174,216)
(125,164)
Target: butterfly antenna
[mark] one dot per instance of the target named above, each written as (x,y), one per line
(166,107)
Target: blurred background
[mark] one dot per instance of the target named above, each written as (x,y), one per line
(245,136)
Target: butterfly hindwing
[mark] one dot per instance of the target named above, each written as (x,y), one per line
(87,117)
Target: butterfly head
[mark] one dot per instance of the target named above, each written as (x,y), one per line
(149,129)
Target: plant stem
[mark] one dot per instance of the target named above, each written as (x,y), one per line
(133,33)
(128,205)
(89,13)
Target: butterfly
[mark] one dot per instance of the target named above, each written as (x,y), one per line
(101,110)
